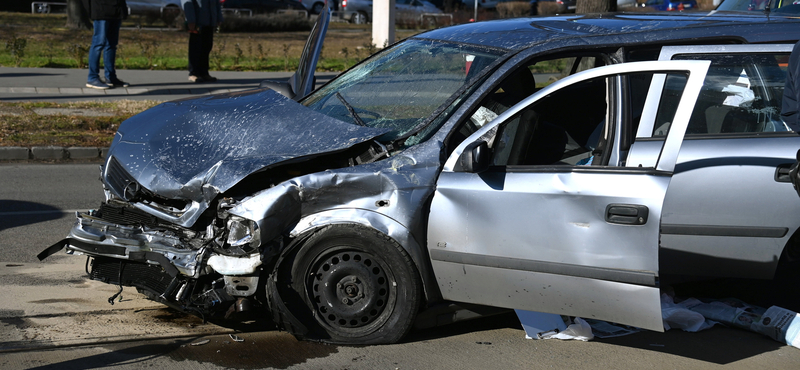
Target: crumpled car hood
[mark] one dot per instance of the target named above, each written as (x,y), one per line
(197,148)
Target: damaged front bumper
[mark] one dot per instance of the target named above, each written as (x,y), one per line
(96,237)
(168,263)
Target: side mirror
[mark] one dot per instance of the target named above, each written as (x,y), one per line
(475,158)
(283,87)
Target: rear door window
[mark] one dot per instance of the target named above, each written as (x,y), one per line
(741,94)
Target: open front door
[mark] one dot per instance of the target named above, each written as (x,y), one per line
(555,222)
(301,83)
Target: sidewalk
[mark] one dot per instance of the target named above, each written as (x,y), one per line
(62,85)
(65,85)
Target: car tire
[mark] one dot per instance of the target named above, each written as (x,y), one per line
(357,285)
(430,22)
(359,18)
(317,8)
(171,15)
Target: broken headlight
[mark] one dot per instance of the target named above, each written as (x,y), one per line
(243,236)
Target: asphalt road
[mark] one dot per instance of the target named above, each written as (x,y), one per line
(65,85)
(37,204)
(52,317)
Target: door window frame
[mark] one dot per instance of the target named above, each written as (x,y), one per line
(697,68)
(646,124)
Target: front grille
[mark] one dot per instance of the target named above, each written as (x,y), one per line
(135,274)
(123,185)
(127,216)
(117,178)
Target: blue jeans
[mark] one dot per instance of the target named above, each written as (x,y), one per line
(104,41)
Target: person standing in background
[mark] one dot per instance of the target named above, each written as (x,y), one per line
(202,17)
(107,16)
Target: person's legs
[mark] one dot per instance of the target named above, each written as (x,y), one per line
(200,45)
(110,52)
(195,50)
(207,34)
(98,43)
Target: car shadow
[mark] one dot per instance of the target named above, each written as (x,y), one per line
(718,345)
(29,74)
(15,213)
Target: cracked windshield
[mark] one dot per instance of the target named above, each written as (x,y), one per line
(400,88)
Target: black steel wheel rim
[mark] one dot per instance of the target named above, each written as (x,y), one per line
(351,290)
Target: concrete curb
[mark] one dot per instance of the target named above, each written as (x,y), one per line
(51,152)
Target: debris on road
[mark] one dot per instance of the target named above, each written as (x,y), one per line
(690,315)
(579,330)
(681,316)
(538,324)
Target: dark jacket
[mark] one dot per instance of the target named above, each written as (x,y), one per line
(106,9)
(790,110)
(203,13)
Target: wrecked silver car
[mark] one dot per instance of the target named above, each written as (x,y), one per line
(566,164)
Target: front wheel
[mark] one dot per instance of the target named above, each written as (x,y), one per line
(359,285)
(359,18)
(171,15)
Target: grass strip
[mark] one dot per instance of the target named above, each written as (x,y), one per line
(21,126)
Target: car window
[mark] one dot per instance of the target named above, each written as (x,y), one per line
(572,125)
(555,130)
(401,87)
(741,94)
(523,82)
(788,6)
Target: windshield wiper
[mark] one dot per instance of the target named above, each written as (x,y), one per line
(351,110)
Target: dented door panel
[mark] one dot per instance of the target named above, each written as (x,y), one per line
(572,240)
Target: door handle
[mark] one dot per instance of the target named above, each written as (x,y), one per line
(782,173)
(627,214)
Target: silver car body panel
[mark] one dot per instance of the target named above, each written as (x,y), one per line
(388,195)
(708,225)
(517,238)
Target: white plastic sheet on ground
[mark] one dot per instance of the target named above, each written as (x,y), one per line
(680,316)
(690,315)
(579,330)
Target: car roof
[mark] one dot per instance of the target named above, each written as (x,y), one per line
(623,29)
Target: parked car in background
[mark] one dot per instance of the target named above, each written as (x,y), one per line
(357,11)
(262,6)
(455,170)
(142,6)
(671,5)
(559,6)
(486,4)
(622,4)
(360,11)
(167,10)
(776,6)
(316,6)
(414,9)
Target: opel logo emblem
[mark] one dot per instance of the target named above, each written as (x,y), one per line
(131,190)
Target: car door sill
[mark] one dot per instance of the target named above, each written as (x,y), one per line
(645,278)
